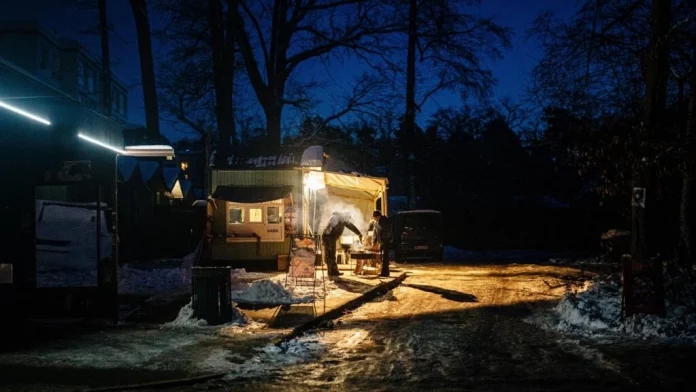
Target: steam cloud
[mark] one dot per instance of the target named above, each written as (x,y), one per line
(331,204)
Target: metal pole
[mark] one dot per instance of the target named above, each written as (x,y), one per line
(116,239)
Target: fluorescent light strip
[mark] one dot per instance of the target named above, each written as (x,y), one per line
(101,144)
(152,147)
(23,113)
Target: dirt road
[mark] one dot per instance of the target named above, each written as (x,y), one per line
(446,328)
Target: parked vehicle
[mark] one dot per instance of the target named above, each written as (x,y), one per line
(418,234)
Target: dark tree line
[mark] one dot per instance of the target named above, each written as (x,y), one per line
(623,69)
(613,99)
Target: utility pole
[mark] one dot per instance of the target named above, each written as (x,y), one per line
(410,118)
(656,90)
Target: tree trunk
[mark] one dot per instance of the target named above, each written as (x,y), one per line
(273,124)
(686,210)
(410,118)
(206,164)
(147,68)
(656,87)
(223,74)
(106,61)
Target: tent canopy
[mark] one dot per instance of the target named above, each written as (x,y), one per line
(359,186)
(362,193)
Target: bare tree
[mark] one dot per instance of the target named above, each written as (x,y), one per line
(222,45)
(147,67)
(450,42)
(277,37)
(593,63)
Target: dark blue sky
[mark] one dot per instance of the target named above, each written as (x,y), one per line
(512,72)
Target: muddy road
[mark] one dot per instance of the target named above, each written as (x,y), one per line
(447,328)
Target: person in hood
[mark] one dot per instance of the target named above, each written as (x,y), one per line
(383,236)
(334,229)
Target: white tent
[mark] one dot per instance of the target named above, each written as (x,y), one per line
(357,193)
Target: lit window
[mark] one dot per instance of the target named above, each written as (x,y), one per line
(255,215)
(236,215)
(273,214)
(184,166)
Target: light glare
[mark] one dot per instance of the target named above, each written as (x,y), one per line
(134,151)
(101,144)
(24,113)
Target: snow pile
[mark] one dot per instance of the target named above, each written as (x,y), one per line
(187,319)
(596,312)
(267,291)
(271,359)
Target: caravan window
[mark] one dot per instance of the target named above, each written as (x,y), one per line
(273,214)
(236,215)
(250,222)
(255,215)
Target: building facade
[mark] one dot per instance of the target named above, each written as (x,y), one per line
(43,77)
(64,64)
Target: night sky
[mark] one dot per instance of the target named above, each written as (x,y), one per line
(512,72)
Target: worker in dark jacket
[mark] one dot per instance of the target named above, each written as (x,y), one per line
(383,236)
(334,229)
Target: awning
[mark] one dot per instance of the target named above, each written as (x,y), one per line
(356,186)
(251,194)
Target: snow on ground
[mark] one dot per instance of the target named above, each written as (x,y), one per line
(115,349)
(267,291)
(186,319)
(277,289)
(595,312)
(269,360)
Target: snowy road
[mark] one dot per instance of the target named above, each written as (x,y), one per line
(446,327)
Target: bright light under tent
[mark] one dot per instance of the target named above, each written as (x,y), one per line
(24,113)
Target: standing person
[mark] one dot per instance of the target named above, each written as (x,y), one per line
(334,229)
(383,236)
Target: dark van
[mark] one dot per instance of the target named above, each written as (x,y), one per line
(418,234)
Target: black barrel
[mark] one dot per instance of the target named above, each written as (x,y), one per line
(212,294)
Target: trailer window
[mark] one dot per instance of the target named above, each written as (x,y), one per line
(255,215)
(236,215)
(273,214)
(251,222)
